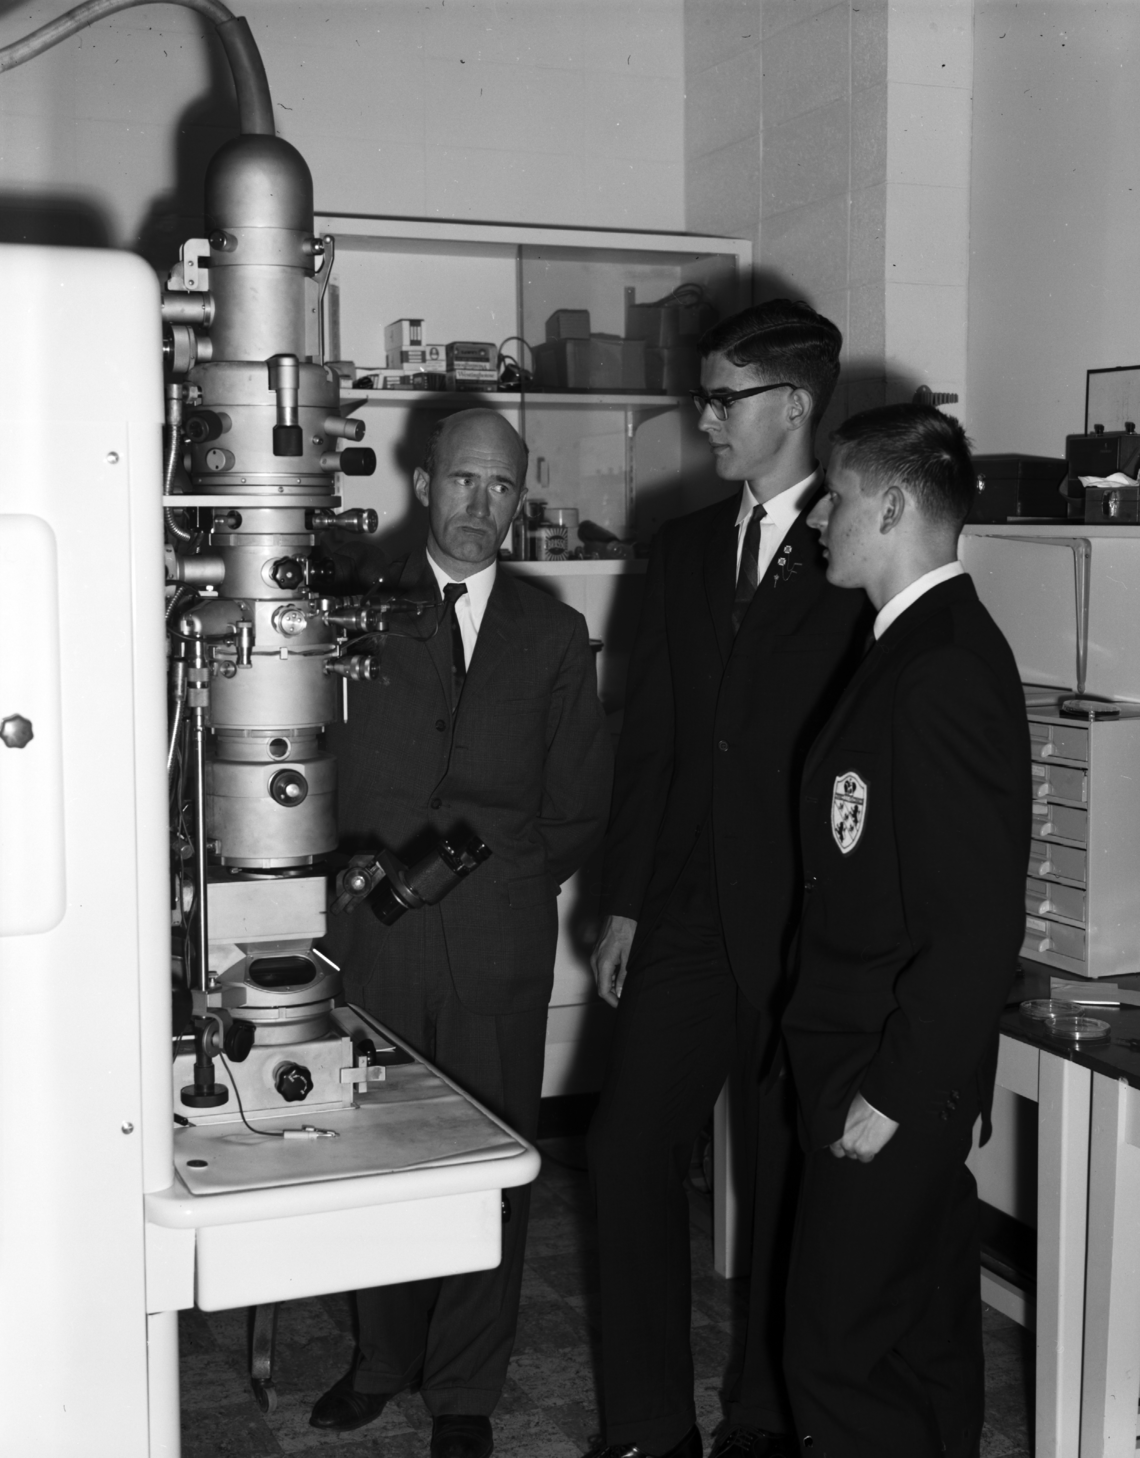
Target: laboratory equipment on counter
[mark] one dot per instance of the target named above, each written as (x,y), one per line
(1063,596)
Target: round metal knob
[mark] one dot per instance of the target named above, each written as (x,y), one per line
(288,787)
(16,731)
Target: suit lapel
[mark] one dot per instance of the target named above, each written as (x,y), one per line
(720,572)
(417,573)
(879,656)
(787,577)
(497,632)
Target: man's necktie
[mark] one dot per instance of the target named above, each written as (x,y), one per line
(452,592)
(746,577)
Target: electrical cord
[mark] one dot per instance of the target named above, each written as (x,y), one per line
(255,108)
(261,1133)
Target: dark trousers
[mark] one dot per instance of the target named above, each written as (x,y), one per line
(884,1340)
(452,1336)
(682,1026)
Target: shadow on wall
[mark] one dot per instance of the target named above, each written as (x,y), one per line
(55,220)
(207,123)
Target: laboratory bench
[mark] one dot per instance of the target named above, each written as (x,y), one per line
(1088,1222)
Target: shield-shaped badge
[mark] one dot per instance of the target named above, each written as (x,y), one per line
(848,810)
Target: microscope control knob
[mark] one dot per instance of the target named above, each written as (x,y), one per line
(293,1082)
(288,572)
(357,461)
(288,787)
(16,731)
(238,1041)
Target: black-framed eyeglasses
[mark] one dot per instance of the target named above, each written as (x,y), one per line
(719,403)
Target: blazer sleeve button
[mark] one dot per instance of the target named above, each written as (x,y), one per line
(435,804)
(723,745)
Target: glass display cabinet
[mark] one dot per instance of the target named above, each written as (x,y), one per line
(595,334)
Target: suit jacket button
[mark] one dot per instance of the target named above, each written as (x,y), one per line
(809,884)
(723,744)
(441,725)
(435,804)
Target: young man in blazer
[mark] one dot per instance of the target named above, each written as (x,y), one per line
(490,724)
(916,821)
(742,650)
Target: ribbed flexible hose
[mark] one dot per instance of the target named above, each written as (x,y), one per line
(255,108)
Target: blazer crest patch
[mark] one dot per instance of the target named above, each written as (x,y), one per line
(848,810)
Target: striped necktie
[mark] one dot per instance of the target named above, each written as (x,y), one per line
(749,558)
(452,592)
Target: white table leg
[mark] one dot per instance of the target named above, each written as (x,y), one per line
(1063,1099)
(726,1210)
(1111,1387)
(162,1384)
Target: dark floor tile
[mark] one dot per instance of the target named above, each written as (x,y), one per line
(549,1328)
(194,1334)
(572,1272)
(236,1430)
(580,1421)
(711,1345)
(338,1309)
(515,1399)
(1008,1413)
(719,1299)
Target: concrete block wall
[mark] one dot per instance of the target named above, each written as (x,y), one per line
(841,144)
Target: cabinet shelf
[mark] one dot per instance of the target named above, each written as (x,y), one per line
(505,399)
(594,567)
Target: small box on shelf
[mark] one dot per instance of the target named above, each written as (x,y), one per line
(598,363)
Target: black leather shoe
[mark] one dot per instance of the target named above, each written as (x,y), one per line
(456,1435)
(690,1446)
(341,1409)
(754,1443)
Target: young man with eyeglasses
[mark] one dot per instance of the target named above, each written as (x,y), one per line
(742,650)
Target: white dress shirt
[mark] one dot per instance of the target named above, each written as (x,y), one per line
(469,608)
(909,595)
(781,513)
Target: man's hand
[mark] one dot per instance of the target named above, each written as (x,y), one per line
(866,1132)
(610,957)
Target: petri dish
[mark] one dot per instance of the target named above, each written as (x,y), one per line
(1045,1009)
(1079,1029)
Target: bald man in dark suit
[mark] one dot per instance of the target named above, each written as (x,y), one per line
(489,725)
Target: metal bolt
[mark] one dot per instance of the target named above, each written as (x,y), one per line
(127,1128)
(112,458)
(16,731)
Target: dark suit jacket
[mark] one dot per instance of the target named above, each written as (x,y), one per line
(916,816)
(525,763)
(717,728)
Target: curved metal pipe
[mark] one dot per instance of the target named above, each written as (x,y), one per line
(255,107)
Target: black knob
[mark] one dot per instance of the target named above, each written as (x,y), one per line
(16,731)
(1129,427)
(288,787)
(358,460)
(203,425)
(288,572)
(288,440)
(238,1041)
(293,1082)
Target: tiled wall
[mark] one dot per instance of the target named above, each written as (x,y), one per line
(541,111)
(722,117)
(1055,214)
(930,57)
(840,144)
